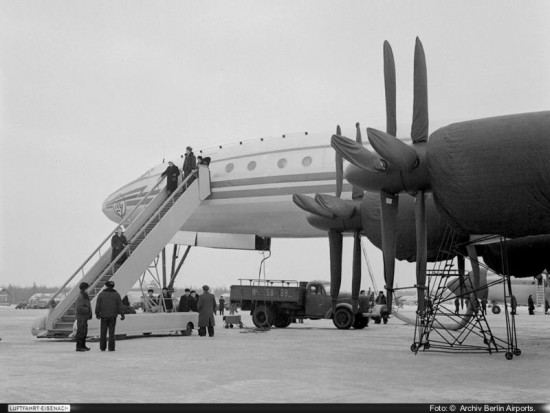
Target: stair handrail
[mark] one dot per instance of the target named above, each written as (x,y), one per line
(144,226)
(123,222)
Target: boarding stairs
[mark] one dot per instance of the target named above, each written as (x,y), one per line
(150,226)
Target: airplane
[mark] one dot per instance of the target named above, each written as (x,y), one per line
(487,176)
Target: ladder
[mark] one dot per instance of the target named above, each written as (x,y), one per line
(150,225)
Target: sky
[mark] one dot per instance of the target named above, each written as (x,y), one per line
(94,93)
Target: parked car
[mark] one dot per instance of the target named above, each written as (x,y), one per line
(21,306)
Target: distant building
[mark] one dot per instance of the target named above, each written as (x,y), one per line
(5,297)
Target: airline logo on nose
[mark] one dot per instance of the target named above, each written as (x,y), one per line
(120,208)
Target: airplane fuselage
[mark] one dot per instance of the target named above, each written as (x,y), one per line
(252,186)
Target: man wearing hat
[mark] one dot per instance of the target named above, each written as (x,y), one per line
(107,308)
(185,302)
(83,314)
(189,164)
(171,173)
(206,307)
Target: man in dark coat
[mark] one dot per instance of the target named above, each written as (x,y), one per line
(171,173)
(166,300)
(189,164)
(222,305)
(83,314)
(531,305)
(193,301)
(107,308)
(118,242)
(514,304)
(206,307)
(185,301)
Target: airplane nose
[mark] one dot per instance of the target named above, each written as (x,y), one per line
(111,205)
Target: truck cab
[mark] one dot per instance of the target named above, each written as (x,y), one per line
(318,301)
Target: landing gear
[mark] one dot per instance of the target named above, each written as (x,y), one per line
(496,309)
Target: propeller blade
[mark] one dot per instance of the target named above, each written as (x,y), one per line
(356,270)
(339,168)
(308,204)
(388,205)
(396,152)
(358,155)
(421,247)
(389,83)
(358,137)
(419,128)
(335,239)
(356,192)
(336,206)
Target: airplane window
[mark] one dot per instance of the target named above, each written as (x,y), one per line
(229,167)
(282,163)
(251,165)
(306,161)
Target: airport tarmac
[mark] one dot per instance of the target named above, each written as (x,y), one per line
(311,362)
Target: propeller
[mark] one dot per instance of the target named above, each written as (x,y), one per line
(338,215)
(396,167)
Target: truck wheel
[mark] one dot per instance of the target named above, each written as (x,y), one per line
(262,316)
(282,320)
(343,318)
(360,322)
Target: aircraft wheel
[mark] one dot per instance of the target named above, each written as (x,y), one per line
(385,320)
(147,334)
(427,345)
(517,352)
(262,316)
(377,320)
(343,318)
(496,309)
(226,326)
(509,355)
(413,347)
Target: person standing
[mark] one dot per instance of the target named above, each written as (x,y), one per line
(185,300)
(189,164)
(531,305)
(118,242)
(107,308)
(222,305)
(166,297)
(171,173)
(513,304)
(457,305)
(484,305)
(194,301)
(83,314)
(206,307)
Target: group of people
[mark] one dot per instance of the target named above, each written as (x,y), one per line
(190,164)
(163,303)
(108,307)
(204,304)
